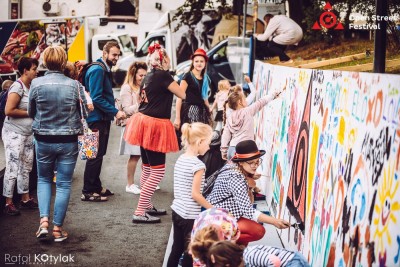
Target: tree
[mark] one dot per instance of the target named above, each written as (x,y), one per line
(191,10)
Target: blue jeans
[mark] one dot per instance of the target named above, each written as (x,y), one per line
(297,261)
(48,155)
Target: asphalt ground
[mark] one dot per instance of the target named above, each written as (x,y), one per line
(100,234)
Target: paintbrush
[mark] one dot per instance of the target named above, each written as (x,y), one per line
(299,226)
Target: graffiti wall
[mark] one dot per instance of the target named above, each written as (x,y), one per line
(332,163)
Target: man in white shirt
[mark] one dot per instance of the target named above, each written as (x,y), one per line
(280,32)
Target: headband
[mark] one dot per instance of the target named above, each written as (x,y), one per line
(245,156)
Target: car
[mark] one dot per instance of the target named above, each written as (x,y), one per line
(7,71)
(217,68)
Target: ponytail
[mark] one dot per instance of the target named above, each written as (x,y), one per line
(234,96)
(194,132)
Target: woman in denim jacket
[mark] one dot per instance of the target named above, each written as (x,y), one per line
(54,107)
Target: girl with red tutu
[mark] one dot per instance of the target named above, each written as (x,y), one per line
(152,130)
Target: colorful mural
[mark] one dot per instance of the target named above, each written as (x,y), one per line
(333,143)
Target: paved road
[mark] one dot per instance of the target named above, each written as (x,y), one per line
(101,234)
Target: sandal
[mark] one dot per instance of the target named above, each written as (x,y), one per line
(59,235)
(94,197)
(42,231)
(106,192)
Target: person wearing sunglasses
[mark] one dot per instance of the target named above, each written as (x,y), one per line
(230,192)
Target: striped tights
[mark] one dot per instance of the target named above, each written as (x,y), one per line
(149,179)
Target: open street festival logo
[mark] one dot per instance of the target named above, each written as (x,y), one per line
(328,19)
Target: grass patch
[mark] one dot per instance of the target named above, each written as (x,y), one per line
(323,51)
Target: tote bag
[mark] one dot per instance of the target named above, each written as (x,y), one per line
(88,143)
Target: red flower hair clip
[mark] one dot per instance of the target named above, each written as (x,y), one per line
(153,48)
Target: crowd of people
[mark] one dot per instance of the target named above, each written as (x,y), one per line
(44,120)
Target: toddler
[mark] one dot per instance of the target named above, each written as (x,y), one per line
(220,98)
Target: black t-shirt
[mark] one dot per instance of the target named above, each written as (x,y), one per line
(193,91)
(156,99)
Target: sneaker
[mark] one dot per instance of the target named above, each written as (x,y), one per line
(30,204)
(145,219)
(155,211)
(11,210)
(133,189)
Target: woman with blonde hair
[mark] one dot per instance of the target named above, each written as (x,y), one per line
(152,130)
(129,97)
(54,107)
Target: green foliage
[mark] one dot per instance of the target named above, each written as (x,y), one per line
(191,10)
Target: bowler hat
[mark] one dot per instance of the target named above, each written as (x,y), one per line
(247,150)
(200,52)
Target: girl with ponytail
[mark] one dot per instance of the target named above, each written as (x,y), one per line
(188,184)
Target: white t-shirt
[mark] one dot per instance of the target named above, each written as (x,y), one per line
(183,204)
(19,125)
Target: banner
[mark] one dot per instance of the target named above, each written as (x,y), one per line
(30,38)
(332,162)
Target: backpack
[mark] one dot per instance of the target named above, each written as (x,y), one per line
(3,102)
(210,181)
(84,67)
